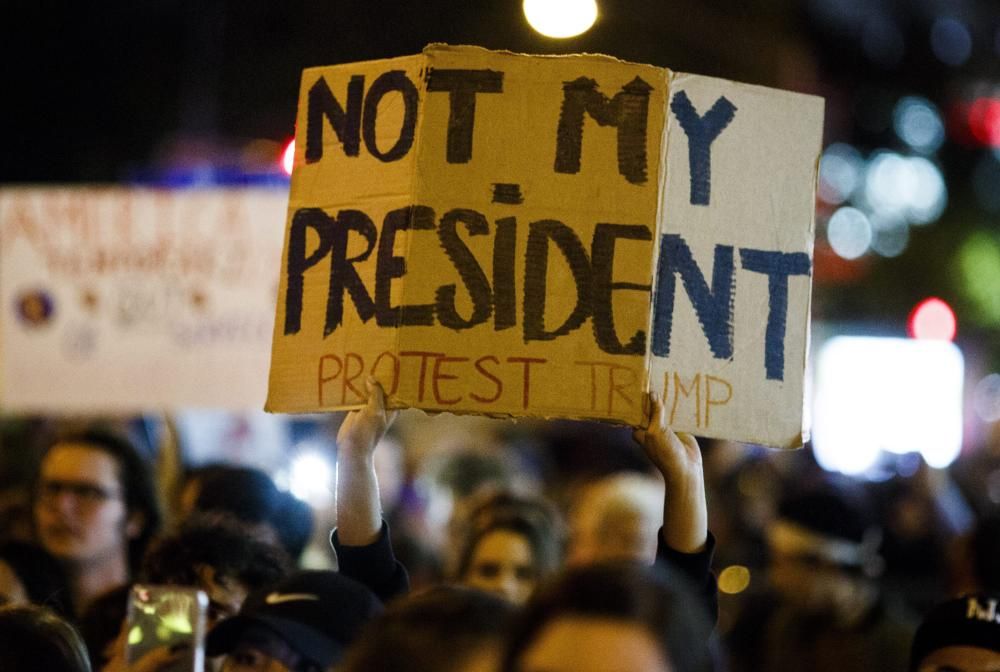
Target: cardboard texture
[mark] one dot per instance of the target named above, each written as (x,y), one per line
(481,231)
(126,300)
(732,299)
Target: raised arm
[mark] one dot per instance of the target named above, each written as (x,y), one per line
(678,457)
(361,540)
(359,511)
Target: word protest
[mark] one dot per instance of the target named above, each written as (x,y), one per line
(125,300)
(549,236)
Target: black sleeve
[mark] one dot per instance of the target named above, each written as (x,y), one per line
(374,565)
(697,567)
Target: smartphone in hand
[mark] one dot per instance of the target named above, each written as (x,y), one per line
(167,623)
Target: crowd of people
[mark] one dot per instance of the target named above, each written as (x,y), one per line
(616,576)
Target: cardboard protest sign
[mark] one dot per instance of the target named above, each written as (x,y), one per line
(127,300)
(481,231)
(475,228)
(731,303)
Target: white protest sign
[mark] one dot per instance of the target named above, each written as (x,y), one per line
(731,301)
(126,300)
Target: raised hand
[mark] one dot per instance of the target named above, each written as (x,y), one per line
(359,511)
(677,456)
(364,428)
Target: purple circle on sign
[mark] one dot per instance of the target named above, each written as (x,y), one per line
(35,307)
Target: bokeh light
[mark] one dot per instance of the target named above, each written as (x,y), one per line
(560,18)
(840,172)
(978,261)
(867,393)
(918,123)
(890,236)
(910,187)
(734,579)
(986,398)
(984,121)
(310,478)
(951,41)
(932,319)
(849,233)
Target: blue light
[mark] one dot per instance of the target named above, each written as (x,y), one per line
(840,172)
(951,41)
(849,233)
(905,187)
(891,235)
(208,176)
(918,123)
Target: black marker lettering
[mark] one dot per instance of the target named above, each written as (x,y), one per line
(389,266)
(303,220)
(504,294)
(507,193)
(343,275)
(627,111)
(346,124)
(602,259)
(468,268)
(394,80)
(462,87)
(535,277)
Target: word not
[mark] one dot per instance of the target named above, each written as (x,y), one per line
(356,120)
(707,390)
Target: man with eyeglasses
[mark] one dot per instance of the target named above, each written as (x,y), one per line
(95,510)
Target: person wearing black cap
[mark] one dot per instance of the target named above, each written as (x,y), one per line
(960,635)
(821,608)
(303,624)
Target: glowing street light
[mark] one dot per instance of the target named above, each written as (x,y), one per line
(560,18)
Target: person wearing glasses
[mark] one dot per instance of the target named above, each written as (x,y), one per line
(95,511)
